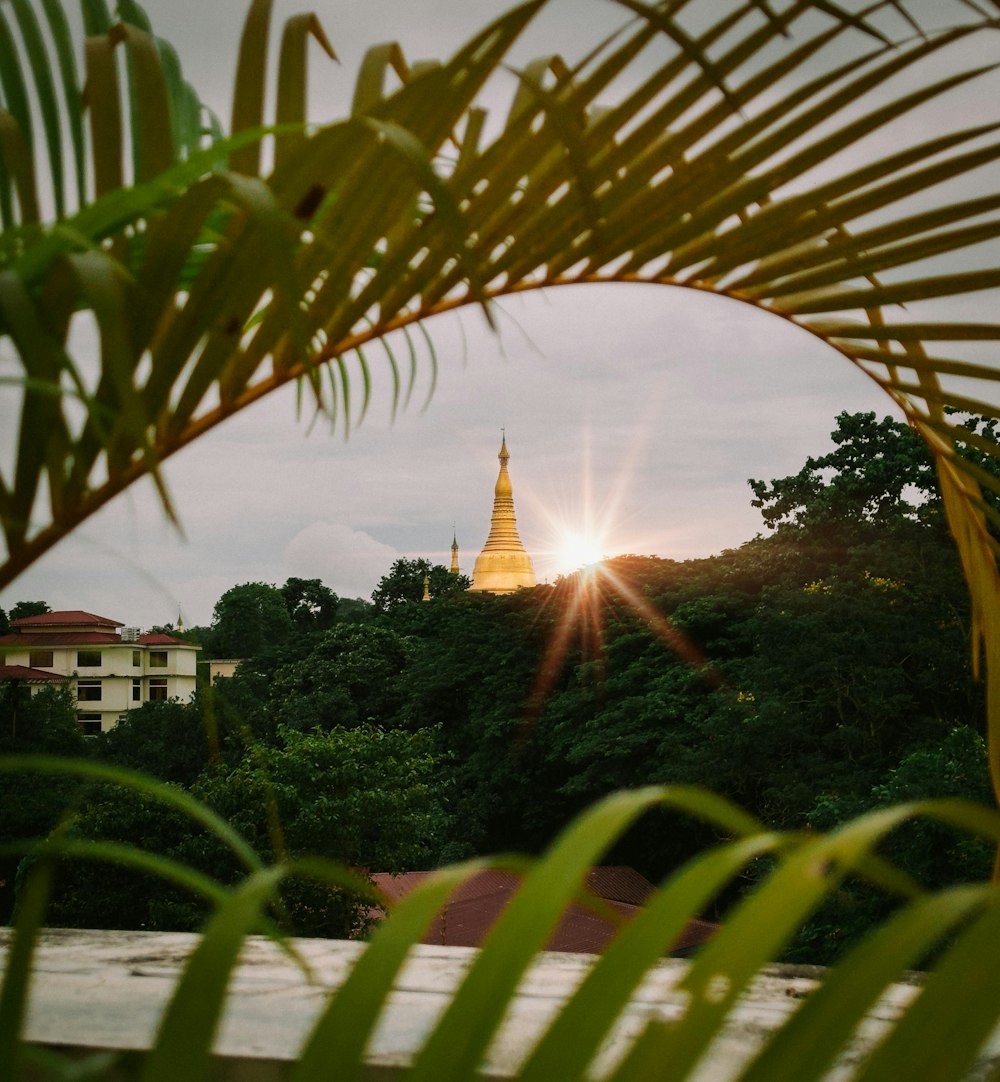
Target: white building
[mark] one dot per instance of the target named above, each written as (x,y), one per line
(111,668)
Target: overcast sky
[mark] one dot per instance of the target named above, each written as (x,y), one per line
(641,409)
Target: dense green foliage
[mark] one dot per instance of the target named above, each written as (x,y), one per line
(405,583)
(45,722)
(363,796)
(257,619)
(808,675)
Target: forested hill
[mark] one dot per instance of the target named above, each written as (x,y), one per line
(810,673)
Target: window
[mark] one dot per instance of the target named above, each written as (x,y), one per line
(157,688)
(90,724)
(88,659)
(88,690)
(136,658)
(136,691)
(157,659)
(40,659)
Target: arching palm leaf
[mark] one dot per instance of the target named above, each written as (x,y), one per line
(741,163)
(722,169)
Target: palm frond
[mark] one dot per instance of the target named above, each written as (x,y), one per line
(947,1024)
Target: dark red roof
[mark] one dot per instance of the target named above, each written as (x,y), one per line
(696,933)
(65,618)
(156,638)
(476,904)
(33,640)
(619,883)
(22,672)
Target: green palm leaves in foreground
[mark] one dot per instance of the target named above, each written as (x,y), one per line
(760,150)
(945,1027)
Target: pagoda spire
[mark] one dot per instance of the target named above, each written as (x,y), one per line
(454,569)
(504,565)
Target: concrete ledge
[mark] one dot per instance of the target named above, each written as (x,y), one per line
(106,990)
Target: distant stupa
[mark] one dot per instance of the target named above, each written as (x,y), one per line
(503,566)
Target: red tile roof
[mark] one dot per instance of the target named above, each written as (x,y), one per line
(22,672)
(156,638)
(64,618)
(33,640)
(474,907)
(620,884)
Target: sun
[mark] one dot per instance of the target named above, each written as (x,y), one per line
(576,549)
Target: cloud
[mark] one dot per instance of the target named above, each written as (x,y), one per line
(349,561)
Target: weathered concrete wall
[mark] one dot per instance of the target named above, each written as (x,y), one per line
(107,990)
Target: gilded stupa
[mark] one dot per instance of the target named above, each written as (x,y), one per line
(504,565)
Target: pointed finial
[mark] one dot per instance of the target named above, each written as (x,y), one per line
(427,588)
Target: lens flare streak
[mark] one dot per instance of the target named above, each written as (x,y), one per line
(583,600)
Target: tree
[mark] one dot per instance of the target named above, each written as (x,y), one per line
(879,469)
(935,853)
(99,894)
(938,855)
(354,610)
(23,609)
(250,620)
(311,605)
(169,740)
(354,674)
(365,797)
(405,583)
(41,723)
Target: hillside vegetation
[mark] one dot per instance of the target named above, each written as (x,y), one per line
(809,675)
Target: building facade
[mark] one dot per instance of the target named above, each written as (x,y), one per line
(110,668)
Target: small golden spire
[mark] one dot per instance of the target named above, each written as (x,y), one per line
(454,569)
(427,587)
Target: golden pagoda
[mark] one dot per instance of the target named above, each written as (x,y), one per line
(503,566)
